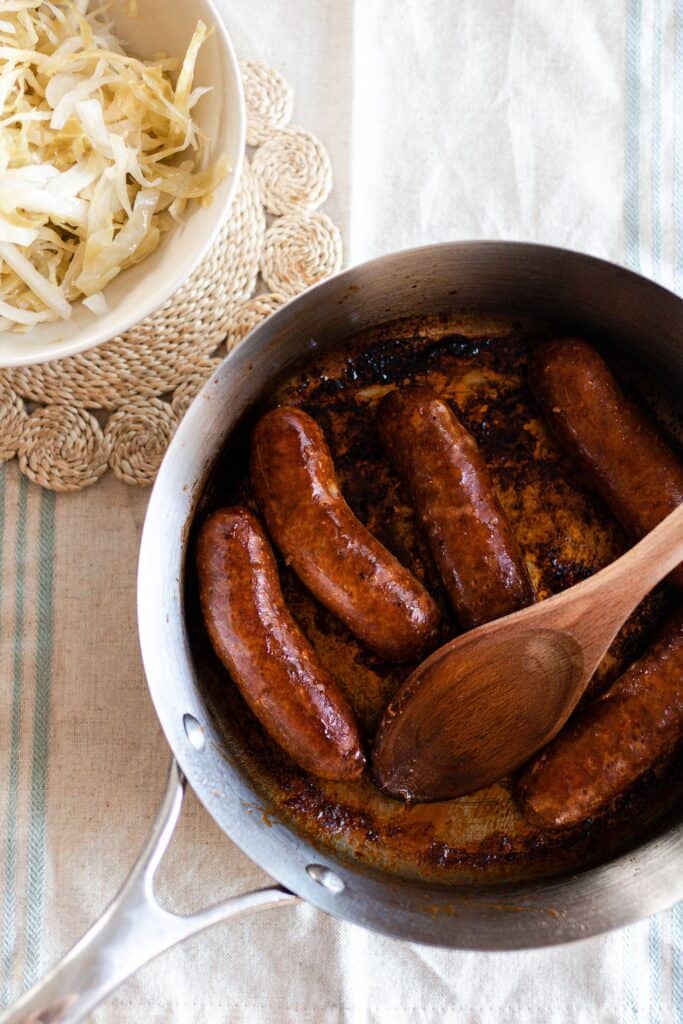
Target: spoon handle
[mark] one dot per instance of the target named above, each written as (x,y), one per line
(653,558)
(615,591)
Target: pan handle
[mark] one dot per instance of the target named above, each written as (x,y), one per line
(132,931)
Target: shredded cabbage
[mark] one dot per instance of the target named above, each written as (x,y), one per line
(99,155)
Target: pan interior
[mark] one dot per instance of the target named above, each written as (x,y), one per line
(477,361)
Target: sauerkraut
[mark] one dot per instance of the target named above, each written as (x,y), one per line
(99,154)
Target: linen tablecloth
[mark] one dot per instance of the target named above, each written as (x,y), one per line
(559,122)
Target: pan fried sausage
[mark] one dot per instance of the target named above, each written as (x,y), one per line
(267,655)
(630,465)
(332,552)
(638,723)
(470,538)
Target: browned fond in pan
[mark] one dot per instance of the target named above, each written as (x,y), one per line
(479,364)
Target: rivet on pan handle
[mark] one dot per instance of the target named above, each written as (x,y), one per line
(133,930)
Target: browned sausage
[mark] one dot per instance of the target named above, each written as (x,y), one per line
(267,655)
(623,456)
(604,750)
(473,546)
(337,558)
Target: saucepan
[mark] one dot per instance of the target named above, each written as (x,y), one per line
(608,301)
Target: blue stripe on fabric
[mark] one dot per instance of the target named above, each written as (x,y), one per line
(677,962)
(678,145)
(654,944)
(656,140)
(35,885)
(9,924)
(631,214)
(632,134)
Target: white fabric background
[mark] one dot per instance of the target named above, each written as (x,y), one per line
(552,121)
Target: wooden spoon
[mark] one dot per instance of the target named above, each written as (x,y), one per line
(481,705)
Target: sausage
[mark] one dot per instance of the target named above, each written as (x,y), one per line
(269,658)
(621,453)
(604,750)
(332,552)
(471,540)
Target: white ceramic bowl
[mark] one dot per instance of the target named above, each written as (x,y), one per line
(220,114)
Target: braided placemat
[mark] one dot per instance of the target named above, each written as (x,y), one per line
(116,407)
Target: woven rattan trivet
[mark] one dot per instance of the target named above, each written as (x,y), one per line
(116,407)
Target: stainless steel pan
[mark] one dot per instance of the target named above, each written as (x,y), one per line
(538,280)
